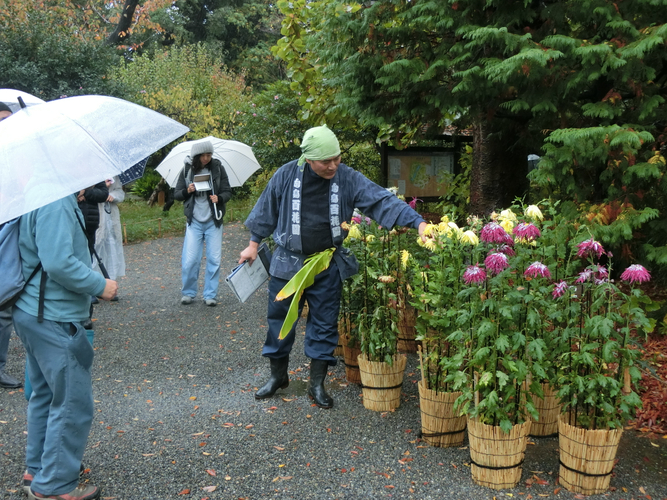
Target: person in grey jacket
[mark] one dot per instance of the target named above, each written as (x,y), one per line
(203,209)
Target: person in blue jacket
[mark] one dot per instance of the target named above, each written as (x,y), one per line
(59,356)
(303,207)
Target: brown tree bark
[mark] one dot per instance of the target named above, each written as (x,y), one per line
(121,31)
(499,167)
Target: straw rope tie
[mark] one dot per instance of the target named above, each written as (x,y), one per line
(596,446)
(350,366)
(381,388)
(586,473)
(561,450)
(495,439)
(497,468)
(438,434)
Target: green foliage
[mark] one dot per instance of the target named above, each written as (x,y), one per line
(144,186)
(190,85)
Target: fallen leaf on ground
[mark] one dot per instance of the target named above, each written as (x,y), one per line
(209,489)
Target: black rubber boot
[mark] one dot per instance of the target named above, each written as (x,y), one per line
(279,378)
(318,372)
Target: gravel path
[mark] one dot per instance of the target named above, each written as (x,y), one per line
(176,417)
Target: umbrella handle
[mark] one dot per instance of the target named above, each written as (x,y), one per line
(218,213)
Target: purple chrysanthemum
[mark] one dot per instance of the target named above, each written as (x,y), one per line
(506,249)
(584,276)
(590,248)
(496,262)
(526,231)
(474,274)
(493,233)
(636,273)
(560,289)
(537,270)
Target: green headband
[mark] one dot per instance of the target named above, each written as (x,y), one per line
(319,143)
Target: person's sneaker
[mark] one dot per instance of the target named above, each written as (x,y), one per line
(26,480)
(210,302)
(81,492)
(186,300)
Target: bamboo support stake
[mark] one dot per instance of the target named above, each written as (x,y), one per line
(125,232)
(627,381)
(159,227)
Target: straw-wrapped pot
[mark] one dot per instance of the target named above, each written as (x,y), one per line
(586,456)
(496,456)
(342,333)
(350,355)
(441,425)
(406,329)
(549,409)
(381,382)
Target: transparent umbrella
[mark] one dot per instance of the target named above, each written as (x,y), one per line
(60,147)
(10,97)
(237,158)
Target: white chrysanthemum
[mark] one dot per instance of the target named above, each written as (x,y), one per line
(534,212)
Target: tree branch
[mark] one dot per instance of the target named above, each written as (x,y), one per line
(121,31)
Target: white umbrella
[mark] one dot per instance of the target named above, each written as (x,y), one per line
(11,98)
(237,158)
(60,147)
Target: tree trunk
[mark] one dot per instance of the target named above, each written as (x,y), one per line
(499,167)
(121,31)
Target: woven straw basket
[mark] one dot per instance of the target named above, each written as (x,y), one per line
(381,382)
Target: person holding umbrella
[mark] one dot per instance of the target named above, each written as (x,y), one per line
(303,207)
(204,209)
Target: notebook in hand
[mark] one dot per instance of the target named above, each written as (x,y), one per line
(202,182)
(245,279)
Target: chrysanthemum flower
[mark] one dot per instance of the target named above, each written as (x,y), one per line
(527,231)
(507,225)
(405,256)
(601,273)
(469,237)
(534,212)
(386,279)
(474,274)
(443,228)
(430,230)
(430,244)
(496,262)
(369,238)
(493,233)
(354,232)
(507,215)
(585,276)
(345,226)
(506,249)
(537,270)
(445,219)
(636,273)
(559,289)
(356,220)
(590,248)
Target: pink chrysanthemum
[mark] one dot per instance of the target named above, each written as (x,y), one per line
(584,276)
(526,231)
(537,270)
(474,274)
(636,273)
(560,289)
(590,248)
(601,273)
(493,233)
(507,240)
(356,220)
(496,262)
(506,249)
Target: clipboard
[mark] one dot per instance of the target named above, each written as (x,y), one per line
(244,280)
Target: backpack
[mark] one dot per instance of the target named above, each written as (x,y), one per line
(11,269)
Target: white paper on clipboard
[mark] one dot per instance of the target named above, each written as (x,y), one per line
(244,279)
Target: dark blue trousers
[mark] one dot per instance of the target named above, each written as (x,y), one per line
(323,298)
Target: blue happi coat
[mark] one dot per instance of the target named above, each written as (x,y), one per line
(278,212)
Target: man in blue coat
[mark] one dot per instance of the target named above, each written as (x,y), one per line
(303,207)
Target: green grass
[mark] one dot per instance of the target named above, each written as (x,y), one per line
(141,222)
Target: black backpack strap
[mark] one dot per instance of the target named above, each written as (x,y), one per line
(42,289)
(99,261)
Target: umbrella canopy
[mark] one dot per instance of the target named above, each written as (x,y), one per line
(11,98)
(133,173)
(237,158)
(60,147)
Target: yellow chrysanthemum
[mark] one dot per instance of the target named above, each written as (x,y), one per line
(444,219)
(345,226)
(470,238)
(524,241)
(534,212)
(657,158)
(443,228)
(430,244)
(369,238)
(405,256)
(507,214)
(507,225)
(354,232)
(430,230)
(400,197)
